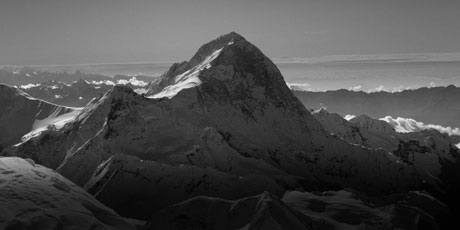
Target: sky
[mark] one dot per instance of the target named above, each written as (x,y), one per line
(53,32)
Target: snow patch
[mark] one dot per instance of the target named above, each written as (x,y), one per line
(39,198)
(54,121)
(188,79)
(141,91)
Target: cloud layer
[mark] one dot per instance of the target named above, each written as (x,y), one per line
(299,86)
(382,88)
(405,125)
(133,81)
(349,117)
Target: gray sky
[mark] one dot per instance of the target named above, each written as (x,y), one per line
(46,32)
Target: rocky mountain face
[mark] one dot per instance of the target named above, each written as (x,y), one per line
(263,211)
(302,210)
(437,105)
(223,124)
(35,197)
(20,114)
(425,150)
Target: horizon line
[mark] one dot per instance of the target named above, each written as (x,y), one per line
(292,59)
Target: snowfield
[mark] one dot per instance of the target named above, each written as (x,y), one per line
(35,197)
(187,79)
(54,121)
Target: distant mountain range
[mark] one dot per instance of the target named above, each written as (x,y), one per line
(436,105)
(28,75)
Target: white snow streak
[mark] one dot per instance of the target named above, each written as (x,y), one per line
(188,79)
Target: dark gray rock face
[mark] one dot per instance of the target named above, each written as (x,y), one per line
(19,111)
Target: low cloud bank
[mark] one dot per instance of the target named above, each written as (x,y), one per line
(356,88)
(28,86)
(381,88)
(133,81)
(299,86)
(349,117)
(406,125)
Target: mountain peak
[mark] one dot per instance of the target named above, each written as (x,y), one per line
(232,35)
(184,74)
(372,124)
(218,43)
(122,89)
(321,111)
(81,84)
(6,88)
(9,92)
(229,68)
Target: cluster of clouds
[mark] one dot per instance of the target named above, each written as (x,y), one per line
(349,117)
(28,86)
(299,86)
(133,81)
(405,125)
(356,88)
(382,88)
(360,88)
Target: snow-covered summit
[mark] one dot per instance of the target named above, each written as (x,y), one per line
(185,74)
(227,68)
(222,41)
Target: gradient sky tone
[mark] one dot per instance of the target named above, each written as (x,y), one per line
(47,32)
